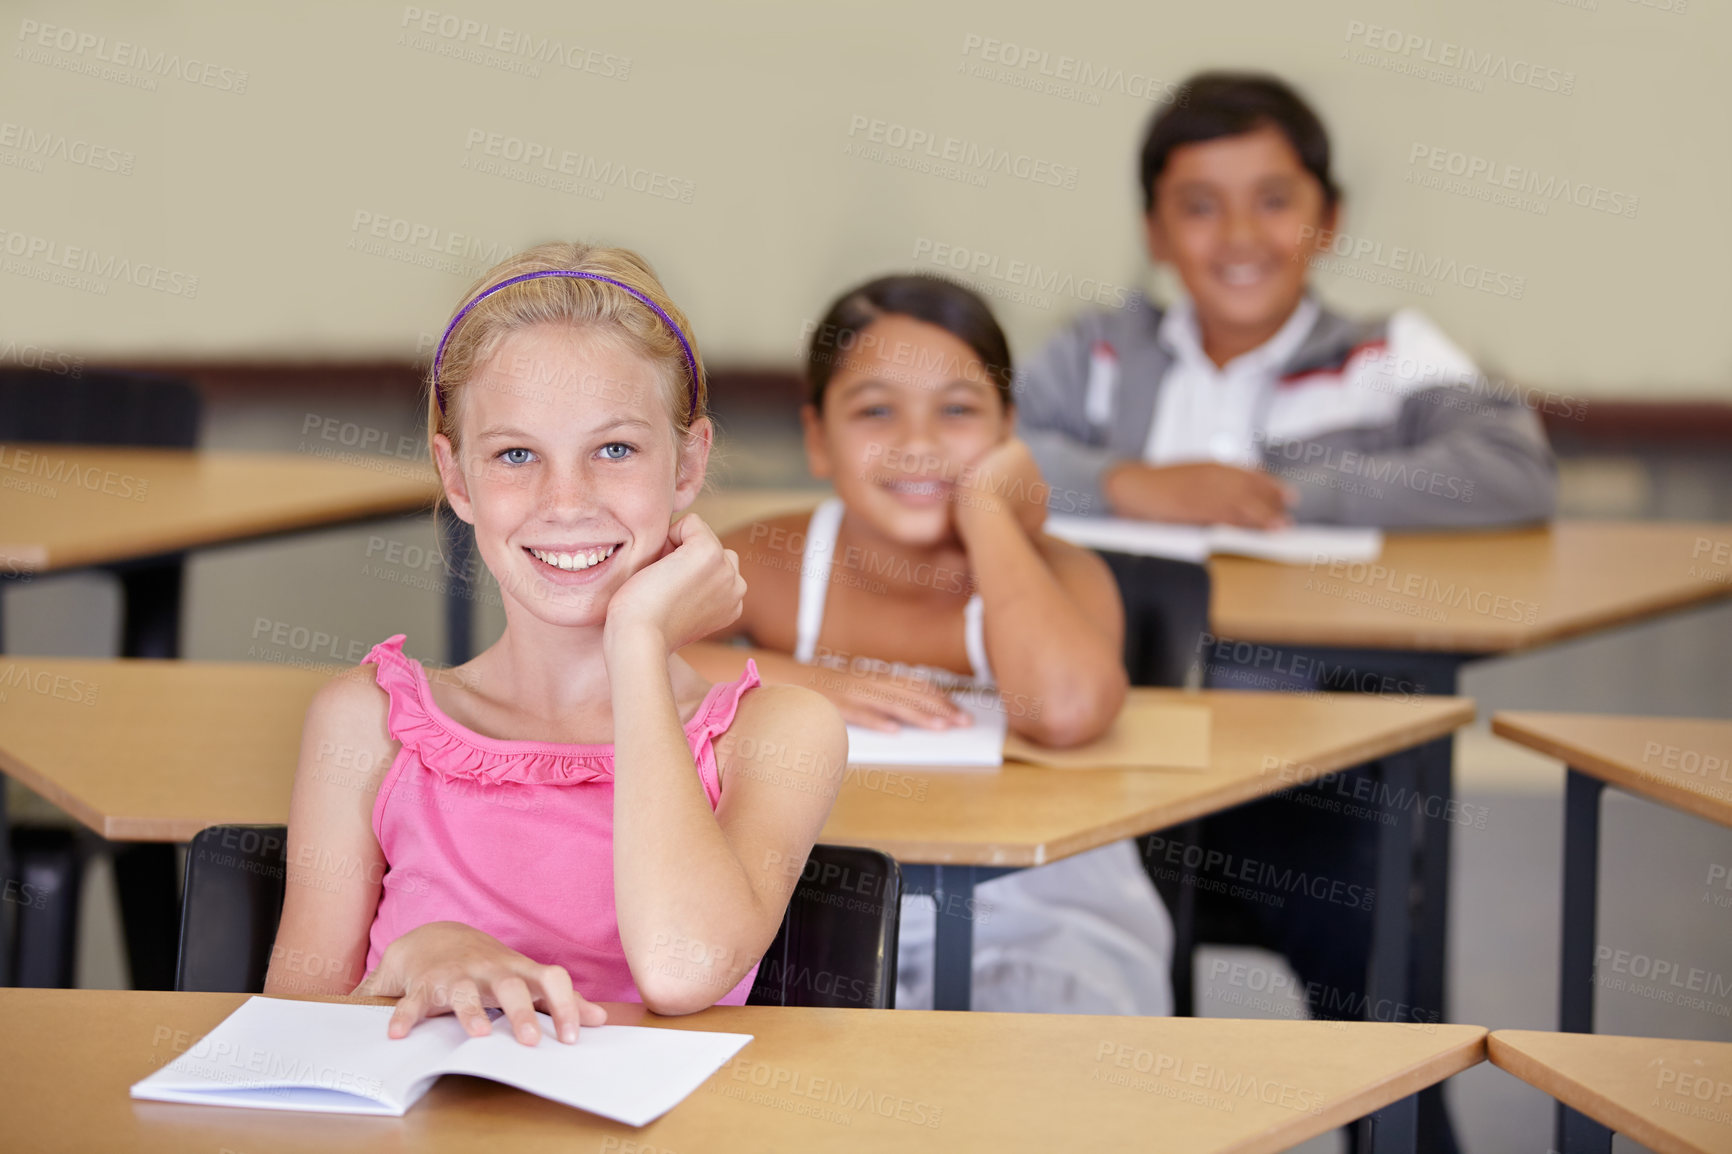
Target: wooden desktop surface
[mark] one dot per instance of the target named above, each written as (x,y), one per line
(64,506)
(811,1082)
(1458,592)
(157,750)
(1682,762)
(1674,1097)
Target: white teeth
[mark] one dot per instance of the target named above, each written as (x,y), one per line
(917,488)
(570,561)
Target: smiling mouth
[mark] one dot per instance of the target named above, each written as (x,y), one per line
(573,561)
(927,490)
(1241,275)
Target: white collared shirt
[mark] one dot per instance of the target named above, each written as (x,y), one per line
(1204,413)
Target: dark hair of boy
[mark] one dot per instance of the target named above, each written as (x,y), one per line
(1211,105)
(932,299)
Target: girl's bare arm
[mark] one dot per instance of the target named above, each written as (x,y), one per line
(335,866)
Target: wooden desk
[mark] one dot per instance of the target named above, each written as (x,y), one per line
(137,512)
(1433,592)
(1478,592)
(222,742)
(163,748)
(1260,743)
(811,1081)
(1672,1097)
(166,748)
(66,506)
(1681,762)
(1430,603)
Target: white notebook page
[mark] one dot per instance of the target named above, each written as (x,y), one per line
(330,1057)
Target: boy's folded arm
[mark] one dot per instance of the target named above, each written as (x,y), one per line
(1452,460)
(1075,470)
(1050,417)
(333,866)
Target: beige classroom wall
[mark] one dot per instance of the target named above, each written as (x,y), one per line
(321,180)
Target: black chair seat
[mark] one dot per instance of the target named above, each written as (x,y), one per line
(836,945)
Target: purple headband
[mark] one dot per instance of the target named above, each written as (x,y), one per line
(439,357)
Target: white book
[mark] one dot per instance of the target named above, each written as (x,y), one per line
(1298,545)
(335,1058)
(976,746)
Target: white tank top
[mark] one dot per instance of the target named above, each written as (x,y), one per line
(815,566)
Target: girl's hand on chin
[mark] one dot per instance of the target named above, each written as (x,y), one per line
(693,589)
(1005,477)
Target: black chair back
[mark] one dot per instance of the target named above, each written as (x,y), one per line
(1166,615)
(836,945)
(99,407)
(234,899)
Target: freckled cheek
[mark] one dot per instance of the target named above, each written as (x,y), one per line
(499,495)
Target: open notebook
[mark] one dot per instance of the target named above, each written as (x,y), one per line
(1299,545)
(334,1058)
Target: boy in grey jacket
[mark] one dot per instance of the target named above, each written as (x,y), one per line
(1248,402)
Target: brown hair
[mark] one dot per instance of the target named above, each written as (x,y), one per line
(937,301)
(1211,105)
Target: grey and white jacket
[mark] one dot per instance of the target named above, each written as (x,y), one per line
(1379,422)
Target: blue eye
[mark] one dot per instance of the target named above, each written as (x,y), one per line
(875,411)
(516,456)
(960,410)
(609,450)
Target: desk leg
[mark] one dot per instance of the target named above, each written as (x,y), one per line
(149,911)
(953,943)
(459,588)
(1393,1129)
(144,871)
(952,890)
(150,607)
(1396,1126)
(1420,673)
(1184,915)
(1576,1132)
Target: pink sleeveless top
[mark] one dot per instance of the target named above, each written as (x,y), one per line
(514,838)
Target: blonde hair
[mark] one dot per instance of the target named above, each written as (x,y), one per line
(570,301)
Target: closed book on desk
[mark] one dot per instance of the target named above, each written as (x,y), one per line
(335,1058)
(979,745)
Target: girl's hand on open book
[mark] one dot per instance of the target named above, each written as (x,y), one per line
(693,589)
(881,703)
(451,968)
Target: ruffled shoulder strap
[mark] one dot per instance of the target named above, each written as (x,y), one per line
(712,720)
(454,752)
(400,676)
(397,673)
(720,704)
